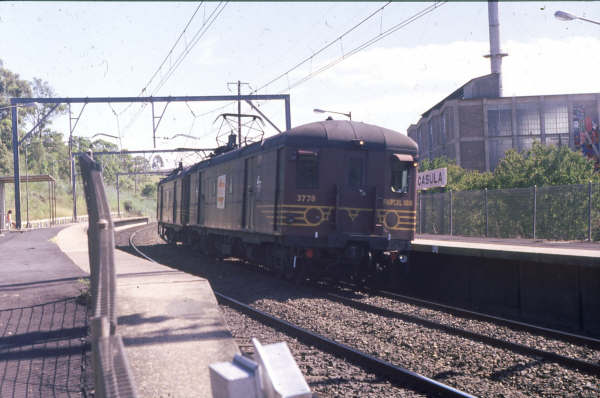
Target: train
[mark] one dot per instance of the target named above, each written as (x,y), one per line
(332,197)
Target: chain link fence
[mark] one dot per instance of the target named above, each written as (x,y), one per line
(562,212)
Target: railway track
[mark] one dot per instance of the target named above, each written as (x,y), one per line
(573,363)
(387,311)
(393,373)
(516,325)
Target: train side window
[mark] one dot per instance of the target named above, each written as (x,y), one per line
(355,172)
(400,173)
(307,170)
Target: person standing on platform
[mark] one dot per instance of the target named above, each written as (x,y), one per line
(9,220)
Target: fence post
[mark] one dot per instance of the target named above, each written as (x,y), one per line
(590,211)
(486,211)
(451,213)
(534,208)
(420,213)
(99,329)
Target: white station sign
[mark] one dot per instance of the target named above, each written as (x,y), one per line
(432,178)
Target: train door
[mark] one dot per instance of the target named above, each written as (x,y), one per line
(161,203)
(249,193)
(279,187)
(175,202)
(185,200)
(356,195)
(200,193)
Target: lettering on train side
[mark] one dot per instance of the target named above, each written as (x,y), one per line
(397,202)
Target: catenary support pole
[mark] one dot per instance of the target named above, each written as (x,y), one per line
(73,189)
(118,198)
(15,147)
(288,115)
(153,127)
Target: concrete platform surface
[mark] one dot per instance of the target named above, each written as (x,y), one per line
(568,253)
(43,325)
(170,322)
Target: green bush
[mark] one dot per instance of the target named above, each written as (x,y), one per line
(149,190)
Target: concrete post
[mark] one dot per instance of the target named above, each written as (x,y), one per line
(118,198)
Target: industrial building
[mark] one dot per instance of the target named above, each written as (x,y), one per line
(475,125)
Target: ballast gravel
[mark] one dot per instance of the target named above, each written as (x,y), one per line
(456,361)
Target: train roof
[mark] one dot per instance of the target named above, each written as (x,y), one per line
(328,133)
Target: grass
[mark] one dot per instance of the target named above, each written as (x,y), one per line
(37,201)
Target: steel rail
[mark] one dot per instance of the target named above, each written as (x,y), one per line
(548,332)
(582,365)
(391,372)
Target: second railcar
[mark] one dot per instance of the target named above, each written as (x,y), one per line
(331,196)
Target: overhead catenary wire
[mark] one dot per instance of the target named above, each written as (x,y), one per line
(309,58)
(368,43)
(325,47)
(364,45)
(167,56)
(195,39)
(173,67)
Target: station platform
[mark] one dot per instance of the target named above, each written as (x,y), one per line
(554,284)
(170,322)
(541,251)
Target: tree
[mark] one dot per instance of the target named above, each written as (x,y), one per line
(543,165)
(10,86)
(149,190)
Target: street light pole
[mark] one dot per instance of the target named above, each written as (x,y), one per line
(565,16)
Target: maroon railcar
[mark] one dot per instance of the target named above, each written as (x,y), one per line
(331,196)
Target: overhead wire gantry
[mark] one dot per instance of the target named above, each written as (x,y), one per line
(15,102)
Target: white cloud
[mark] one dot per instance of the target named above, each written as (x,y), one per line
(394,86)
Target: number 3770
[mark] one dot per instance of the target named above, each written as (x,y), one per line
(306,198)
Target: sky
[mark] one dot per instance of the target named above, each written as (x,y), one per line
(113,49)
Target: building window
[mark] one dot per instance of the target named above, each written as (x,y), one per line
(430,135)
(307,170)
(498,148)
(448,124)
(525,143)
(528,119)
(499,120)
(556,118)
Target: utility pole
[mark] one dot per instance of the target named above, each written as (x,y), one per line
(239,112)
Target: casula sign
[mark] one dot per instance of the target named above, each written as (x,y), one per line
(432,178)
